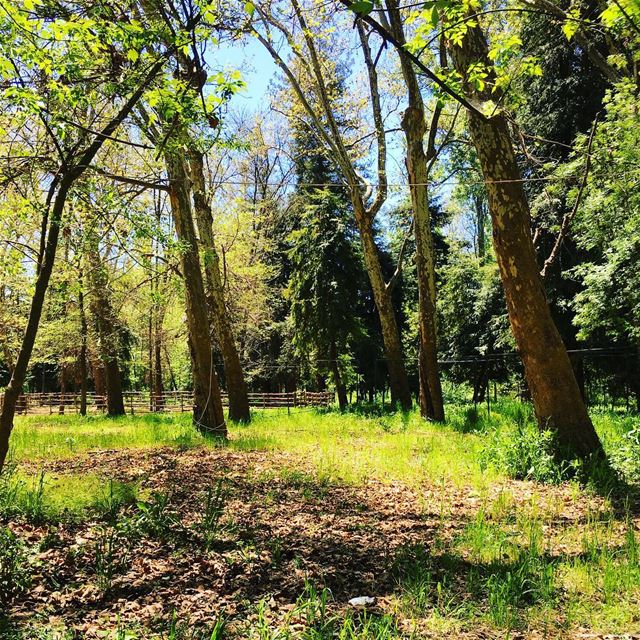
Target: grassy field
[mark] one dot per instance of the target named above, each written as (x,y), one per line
(141,528)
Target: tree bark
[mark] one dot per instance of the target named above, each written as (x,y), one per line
(415,127)
(236,386)
(14,388)
(157,387)
(556,397)
(83,348)
(208,415)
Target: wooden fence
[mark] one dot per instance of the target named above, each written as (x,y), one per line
(137,402)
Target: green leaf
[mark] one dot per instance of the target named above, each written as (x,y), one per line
(250,8)
(362,7)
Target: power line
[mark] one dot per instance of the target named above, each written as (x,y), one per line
(247,183)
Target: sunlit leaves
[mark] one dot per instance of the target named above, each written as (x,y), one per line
(362,7)
(572,23)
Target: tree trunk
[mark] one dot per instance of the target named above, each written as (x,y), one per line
(236,387)
(157,387)
(48,257)
(208,415)
(431,401)
(106,327)
(63,387)
(83,349)
(556,397)
(14,388)
(481,218)
(400,391)
(337,377)
(414,126)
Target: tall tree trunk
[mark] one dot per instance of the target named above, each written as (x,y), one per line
(415,127)
(337,377)
(556,397)
(83,348)
(106,327)
(400,391)
(481,218)
(63,387)
(208,415)
(431,401)
(236,386)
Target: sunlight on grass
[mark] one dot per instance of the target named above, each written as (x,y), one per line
(350,447)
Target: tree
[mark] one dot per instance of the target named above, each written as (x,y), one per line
(419,161)
(54,47)
(311,77)
(326,266)
(556,396)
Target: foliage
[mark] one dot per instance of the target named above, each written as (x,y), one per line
(523,452)
(15,575)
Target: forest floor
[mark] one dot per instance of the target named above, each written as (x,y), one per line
(139,528)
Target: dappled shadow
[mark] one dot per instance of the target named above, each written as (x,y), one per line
(283,527)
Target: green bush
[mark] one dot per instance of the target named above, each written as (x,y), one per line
(624,455)
(524,453)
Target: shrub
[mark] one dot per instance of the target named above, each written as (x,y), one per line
(624,455)
(524,453)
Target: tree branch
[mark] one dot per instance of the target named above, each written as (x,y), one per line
(566,222)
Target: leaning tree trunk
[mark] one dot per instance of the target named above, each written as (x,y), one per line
(48,257)
(400,392)
(14,388)
(414,127)
(236,385)
(556,397)
(208,415)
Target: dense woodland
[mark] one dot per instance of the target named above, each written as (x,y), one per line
(433,205)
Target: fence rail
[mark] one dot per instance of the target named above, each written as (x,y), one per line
(136,402)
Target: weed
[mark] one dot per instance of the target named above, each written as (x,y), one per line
(183,630)
(412,569)
(113,497)
(33,507)
(524,453)
(212,512)
(9,489)
(312,605)
(155,518)
(110,558)
(529,579)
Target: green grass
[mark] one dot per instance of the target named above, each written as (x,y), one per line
(472,448)
(500,570)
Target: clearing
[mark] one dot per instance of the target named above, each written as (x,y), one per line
(140,528)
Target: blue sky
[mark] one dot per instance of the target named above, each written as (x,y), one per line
(257,67)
